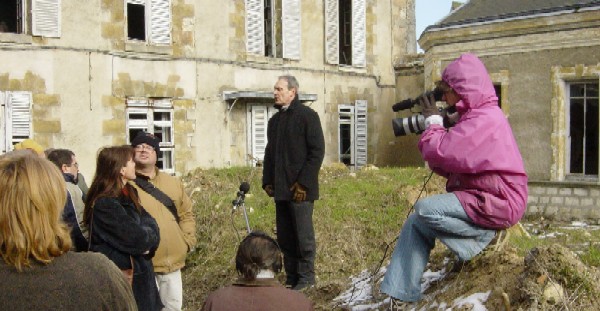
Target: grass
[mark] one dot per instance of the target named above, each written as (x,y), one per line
(358,216)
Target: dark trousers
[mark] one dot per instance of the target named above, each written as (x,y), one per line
(296,238)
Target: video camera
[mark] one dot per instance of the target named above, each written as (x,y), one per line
(415,123)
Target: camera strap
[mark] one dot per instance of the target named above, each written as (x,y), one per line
(156,193)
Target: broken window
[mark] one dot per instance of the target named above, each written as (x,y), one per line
(155,116)
(149,21)
(345,32)
(583,128)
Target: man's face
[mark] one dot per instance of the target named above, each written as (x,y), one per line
(73,168)
(283,96)
(145,154)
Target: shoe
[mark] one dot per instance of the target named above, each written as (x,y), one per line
(399,305)
(303,286)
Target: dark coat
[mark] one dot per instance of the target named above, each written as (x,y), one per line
(294,152)
(69,216)
(119,231)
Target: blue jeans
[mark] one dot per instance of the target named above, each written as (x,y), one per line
(439,216)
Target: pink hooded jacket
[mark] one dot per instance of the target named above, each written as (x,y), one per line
(479,155)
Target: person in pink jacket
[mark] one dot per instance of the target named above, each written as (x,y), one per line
(487,183)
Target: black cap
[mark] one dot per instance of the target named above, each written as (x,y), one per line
(146,138)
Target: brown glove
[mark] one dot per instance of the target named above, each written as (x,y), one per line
(299,192)
(269,190)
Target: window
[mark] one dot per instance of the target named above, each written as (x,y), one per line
(154,115)
(44,14)
(345,32)
(15,118)
(258,119)
(498,89)
(352,134)
(583,128)
(149,21)
(273,28)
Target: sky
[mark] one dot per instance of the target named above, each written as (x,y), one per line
(428,12)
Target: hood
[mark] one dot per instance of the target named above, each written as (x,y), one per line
(470,80)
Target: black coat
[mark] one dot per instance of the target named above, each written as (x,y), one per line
(294,152)
(119,231)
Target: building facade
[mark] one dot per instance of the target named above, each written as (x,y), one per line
(199,74)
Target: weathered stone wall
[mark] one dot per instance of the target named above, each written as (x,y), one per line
(564,201)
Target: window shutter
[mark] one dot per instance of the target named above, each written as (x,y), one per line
(260,119)
(18,117)
(255,32)
(332,41)
(360,141)
(3,145)
(160,22)
(291,25)
(45,16)
(358,33)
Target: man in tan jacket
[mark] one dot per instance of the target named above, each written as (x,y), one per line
(163,196)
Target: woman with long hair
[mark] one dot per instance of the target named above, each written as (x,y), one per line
(120,228)
(37,270)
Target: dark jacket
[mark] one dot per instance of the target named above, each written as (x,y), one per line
(294,152)
(119,231)
(70,217)
(258,295)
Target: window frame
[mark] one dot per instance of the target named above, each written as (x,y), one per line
(285,28)
(354,115)
(8,116)
(569,150)
(40,18)
(333,42)
(158,22)
(148,107)
(253,129)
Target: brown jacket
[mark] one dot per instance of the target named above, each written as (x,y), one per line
(258,295)
(176,239)
(73,281)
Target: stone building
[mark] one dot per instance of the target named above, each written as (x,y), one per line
(544,58)
(199,74)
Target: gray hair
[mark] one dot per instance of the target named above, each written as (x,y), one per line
(292,82)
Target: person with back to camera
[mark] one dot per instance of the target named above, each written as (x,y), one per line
(37,270)
(258,260)
(486,180)
(120,227)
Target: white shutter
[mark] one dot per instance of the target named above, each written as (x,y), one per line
(255,31)
(18,117)
(332,41)
(259,117)
(291,25)
(359,33)
(160,22)
(45,16)
(360,141)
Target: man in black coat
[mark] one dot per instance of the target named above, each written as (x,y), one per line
(293,157)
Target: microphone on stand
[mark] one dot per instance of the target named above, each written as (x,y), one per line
(241,195)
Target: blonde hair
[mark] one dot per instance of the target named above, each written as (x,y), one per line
(32,198)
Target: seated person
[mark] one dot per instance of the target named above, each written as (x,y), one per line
(258,260)
(37,269)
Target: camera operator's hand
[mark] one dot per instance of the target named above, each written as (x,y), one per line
(299,192)
(427,101)
(269,190)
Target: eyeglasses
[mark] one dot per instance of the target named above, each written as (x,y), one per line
(144,147)
(75,164)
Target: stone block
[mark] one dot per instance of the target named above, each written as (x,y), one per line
(46,100)
(557,200)
(551,191)
(581,192)
(532,199)
(572,201)
(587,202)
(46,126)
(114,127)
(544,200)
(565,191)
